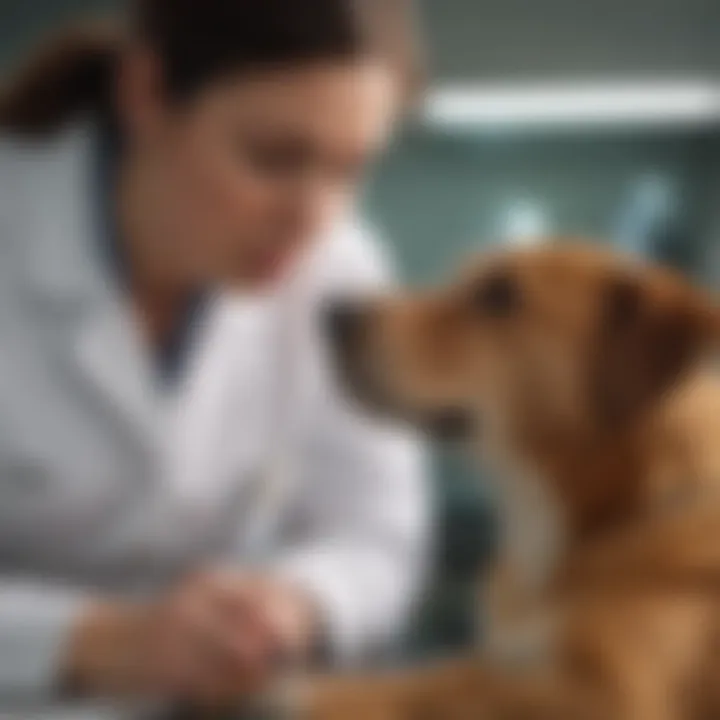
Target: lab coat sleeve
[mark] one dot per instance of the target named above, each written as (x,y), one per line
(35,618)
(365,516)
(35,623)
(361,558)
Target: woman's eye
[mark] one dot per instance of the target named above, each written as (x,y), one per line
(497,295)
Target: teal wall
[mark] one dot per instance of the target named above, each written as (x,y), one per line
(439,197)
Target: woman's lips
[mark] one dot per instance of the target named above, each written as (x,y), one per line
(272,264)
(268,265)
(272,261)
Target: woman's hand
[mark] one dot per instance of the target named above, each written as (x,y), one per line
(217,639)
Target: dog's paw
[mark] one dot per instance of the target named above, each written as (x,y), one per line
(287,698)
(338,699)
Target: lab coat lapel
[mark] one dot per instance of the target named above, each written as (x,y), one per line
(220,420)
(68,276)
(110,356)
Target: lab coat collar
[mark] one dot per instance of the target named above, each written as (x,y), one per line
(62,259)
(66,270)
(109,354)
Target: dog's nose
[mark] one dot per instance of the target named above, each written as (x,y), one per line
(344,322)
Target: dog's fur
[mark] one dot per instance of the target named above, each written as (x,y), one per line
(587,380)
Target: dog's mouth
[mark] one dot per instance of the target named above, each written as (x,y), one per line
(362,375)
(364,382)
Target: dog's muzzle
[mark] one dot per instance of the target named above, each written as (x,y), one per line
(345,323)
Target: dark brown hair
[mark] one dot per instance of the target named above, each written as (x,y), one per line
(200,42)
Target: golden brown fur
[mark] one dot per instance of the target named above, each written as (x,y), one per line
(589,379)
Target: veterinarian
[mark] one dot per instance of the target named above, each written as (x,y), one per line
(186,499)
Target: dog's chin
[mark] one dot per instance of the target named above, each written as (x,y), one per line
(450,424)
(444,424)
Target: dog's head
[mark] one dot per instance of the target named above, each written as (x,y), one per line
(563,341)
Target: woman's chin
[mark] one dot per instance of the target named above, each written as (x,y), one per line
(263,275)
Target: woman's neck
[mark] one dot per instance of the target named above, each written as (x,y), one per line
(158,293)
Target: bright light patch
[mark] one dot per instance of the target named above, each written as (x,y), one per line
(524,222)
(576,105)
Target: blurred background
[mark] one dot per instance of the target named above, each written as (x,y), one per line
(597,118)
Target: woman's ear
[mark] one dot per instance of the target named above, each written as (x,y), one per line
(650,335)
(141,96)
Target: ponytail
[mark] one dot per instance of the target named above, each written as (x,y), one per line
(68,76)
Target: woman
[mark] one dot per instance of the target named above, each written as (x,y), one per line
(185,500)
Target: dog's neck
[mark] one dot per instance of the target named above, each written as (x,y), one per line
(533,523)
(565,495)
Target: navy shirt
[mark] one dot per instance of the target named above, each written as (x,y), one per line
(171,354)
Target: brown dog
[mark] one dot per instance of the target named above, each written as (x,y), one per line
(587,380)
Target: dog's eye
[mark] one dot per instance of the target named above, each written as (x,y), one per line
(497,295)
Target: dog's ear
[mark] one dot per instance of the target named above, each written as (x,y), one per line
(649,337)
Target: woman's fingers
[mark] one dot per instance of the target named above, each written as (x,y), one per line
(218,636)
(257,613)
(216,642)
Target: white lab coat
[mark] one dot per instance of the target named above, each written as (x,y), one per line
(107,485)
